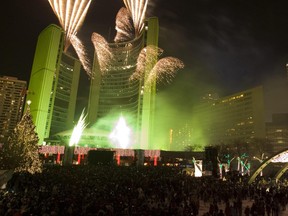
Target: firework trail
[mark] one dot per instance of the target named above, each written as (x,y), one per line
(164,70)
(78,129)
(137,9)
(146,59)
(103,51)
(80,50)
(71,15)
(124,26)
(121,134)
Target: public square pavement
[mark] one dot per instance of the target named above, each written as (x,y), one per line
(204,207)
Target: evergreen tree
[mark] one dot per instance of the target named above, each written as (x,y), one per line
(194,147)
(21,150)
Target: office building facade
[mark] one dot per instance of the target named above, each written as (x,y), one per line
(12,96)
(277,132)
(236,117)
(53,84)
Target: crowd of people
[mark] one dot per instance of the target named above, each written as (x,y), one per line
(134,190)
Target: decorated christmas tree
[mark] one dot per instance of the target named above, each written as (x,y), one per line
(21,150)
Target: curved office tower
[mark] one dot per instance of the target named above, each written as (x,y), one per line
(53,84)
(113,95)
(117,93)
(65,92)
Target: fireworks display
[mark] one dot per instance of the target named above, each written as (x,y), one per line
(124,26)
(129,25)
(71,15)
(80,50)
(137,10)
(102,50)
(162,71)
(78,129)
(146,59)
(121,134)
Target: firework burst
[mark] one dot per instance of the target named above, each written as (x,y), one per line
(103,51)
(146,59)
(71,15)
(137,9)
(80,50)
(161,71)
(164,70)
(78,129)
(121,134)
(124,26)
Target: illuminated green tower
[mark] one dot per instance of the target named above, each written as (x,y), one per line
(53,84)
(149,92)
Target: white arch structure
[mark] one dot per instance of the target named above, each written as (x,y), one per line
(280,157)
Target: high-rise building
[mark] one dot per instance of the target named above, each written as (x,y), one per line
(112,94)
(277,131)
(12,95)
(236,117)
(147,108)
(182,138)
(53,84)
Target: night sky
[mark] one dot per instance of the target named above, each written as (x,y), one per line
(226,45)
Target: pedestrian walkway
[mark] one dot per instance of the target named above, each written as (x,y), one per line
(204,207)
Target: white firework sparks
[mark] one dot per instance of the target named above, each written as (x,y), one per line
(146,59)
(121,134)
(164,70)
(124,26)
(137,8)
(78,129)
(103,51)
(80,50)
(71,15)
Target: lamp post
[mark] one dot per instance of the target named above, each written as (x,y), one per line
(261,161)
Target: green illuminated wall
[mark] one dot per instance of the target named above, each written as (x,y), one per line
(94,93)
(66,89)
(148,104)
(46,62)
(53,84)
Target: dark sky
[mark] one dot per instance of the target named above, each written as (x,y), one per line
(226,45)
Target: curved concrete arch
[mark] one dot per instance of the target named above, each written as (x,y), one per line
(281,172)
(258,170)
(275,158)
